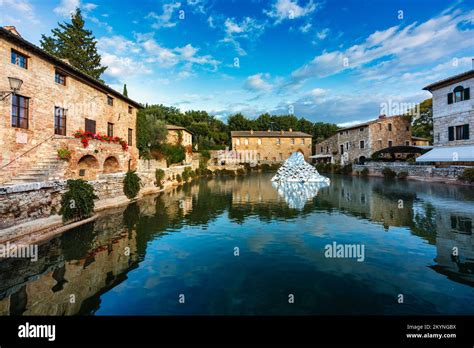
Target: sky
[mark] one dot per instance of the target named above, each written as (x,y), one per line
(342,62)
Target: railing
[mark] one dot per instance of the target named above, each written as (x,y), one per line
(27,151)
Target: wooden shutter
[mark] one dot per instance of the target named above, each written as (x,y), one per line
(451,133)
(466,94)
(465,132)
(450,98)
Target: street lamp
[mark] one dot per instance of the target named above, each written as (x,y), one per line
(15,85)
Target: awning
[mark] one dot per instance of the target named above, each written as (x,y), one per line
(449,154)
(320,156)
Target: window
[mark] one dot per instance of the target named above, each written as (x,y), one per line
(246,141)
(130,136)
(389,127)
(390,143)
(347,146)
(19,59)
(110,129)
(110,101)
(302,141)
(60,78)
(408,128)
(90,126)
(342,149)
(379,142)
(380,126)
(327,149)
(407,143)
(341,133)
(259,141)
(461,224)
(130,109)
(292,141)
(20,111)
(361,129)
(362,144)
(258,157)
(322,150)
(281,156)
(278,141)
(237,141)
(458,132)
(438,137)
(59,121)
(459,94)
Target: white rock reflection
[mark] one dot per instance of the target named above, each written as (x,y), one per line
(296,194)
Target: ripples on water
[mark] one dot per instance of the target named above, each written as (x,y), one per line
(183,242)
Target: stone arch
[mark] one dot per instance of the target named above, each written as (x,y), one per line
(362,159)
(111,165)
(88,167)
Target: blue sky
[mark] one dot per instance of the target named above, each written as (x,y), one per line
(332,61)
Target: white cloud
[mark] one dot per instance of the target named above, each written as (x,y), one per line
(22,6)
(66,7)
(290,9)
(257,83)
(415,44)
(249,28)
(305,28)
(165,19)
(322,34)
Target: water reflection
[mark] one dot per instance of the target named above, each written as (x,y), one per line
(296,194)
(134,260)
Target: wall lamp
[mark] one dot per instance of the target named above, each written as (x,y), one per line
(15,85)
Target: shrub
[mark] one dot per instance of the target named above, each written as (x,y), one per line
(159,176)
(186,174)
(178,178)
(131,184)
(64,154)
(78,201)
(172,153)
(388,173)
(467,175)
(402,175)
(347,169)
(364,172)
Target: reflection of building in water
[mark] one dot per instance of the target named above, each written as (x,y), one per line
(66,267)
(257,190)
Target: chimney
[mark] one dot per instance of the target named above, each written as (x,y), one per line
(381,117)
(290,130)
(282,131)
(251,131)
(12,30)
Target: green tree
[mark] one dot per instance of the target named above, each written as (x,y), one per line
(78,45)
(239,122)
(423,125)
(125,92)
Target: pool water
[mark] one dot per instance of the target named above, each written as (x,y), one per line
(235,246)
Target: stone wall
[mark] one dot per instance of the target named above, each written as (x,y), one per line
(376,168)
(26,202)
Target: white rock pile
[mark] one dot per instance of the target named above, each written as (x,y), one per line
(295,169)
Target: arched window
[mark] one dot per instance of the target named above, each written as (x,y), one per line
(458,93)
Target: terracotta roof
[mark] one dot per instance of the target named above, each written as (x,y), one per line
(18,40)
(450,80)
(270,134)
(173,127)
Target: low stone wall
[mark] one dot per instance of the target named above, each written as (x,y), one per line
(26,202)
(426,171)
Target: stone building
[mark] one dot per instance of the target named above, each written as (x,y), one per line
(453,120)
(419,141)
(180,135)
(359,142)
(44,103)
(270,146)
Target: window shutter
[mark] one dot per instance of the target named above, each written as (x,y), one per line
(466,94)
(466,131)
(451,133)
(450,98)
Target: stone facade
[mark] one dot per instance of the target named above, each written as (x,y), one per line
(457,113)
(24,149)
(270,146)
(180,135)
(359,142)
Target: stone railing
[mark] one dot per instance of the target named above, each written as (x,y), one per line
(427,171)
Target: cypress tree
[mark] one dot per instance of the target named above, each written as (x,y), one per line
(78,45)
(125,92)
